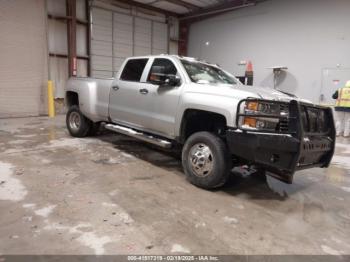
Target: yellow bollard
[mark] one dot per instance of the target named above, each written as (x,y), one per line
(50,100)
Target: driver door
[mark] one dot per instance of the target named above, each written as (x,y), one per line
(162,100)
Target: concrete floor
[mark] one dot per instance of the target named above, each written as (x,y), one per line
(114,195)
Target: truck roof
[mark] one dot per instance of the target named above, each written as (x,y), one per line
(174,56)
(165,55)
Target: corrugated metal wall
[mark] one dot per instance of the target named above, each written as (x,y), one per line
(122,33)
(34,48)
(58,44)
(23,58)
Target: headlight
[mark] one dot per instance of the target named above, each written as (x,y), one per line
(263,115)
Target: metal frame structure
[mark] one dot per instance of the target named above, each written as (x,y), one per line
(71,19)
(195,13)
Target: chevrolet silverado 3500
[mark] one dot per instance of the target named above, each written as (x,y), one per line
(180,102)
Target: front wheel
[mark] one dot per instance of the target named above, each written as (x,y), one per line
(206,160)
(78,125)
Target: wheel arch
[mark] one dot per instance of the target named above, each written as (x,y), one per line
(196,120)
(72,98)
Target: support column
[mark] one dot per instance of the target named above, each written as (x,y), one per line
(72,37)
(184,29)
(88,36)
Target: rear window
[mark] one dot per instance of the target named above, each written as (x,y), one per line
(133,70)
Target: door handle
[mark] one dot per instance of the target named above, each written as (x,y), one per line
(115,88)
(144,91)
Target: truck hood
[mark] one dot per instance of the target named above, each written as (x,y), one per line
(242,92)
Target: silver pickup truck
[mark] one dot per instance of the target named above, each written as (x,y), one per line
(180,102)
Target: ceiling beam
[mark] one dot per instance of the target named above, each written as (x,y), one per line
(148,7)
(189,6)
(214,10)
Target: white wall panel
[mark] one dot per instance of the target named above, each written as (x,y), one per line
(117,63)
(82,68)
(122,50)
(56,7)
(173,48)
(110,6)
(59,75)
(101,48)
(102,74)
(143,33)
(81,9)
(101,42)
(101,63)
(23,58)
(57,34)
(101,17)
(122,38)
(147,15)
(123,29)
(306,36)
(81,40)
(102,32)
(159,38)
(116,36)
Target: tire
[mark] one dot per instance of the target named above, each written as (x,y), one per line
(216,165)
(78,125)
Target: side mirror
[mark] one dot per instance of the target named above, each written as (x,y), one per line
(172,80)
(164,79)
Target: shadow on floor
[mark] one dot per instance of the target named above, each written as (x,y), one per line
(255,187)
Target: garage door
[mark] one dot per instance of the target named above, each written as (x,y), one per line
(116,36)
(23,57)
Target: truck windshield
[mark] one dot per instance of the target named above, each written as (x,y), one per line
(202,73)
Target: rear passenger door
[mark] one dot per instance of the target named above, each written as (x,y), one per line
(125,105)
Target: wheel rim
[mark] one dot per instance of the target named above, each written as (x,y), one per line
(201,160)
(74,121)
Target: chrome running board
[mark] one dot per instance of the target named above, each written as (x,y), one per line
(139,135)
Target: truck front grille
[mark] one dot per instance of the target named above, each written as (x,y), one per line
(314,119)
(284,108)
(283,125)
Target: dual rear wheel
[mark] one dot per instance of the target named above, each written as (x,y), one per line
(78,125)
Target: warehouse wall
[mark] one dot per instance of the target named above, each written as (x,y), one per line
(58,45)
(23,58)
(119,30)
(102,50)
(309,37)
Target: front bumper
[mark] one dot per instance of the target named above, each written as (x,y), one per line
(284,154)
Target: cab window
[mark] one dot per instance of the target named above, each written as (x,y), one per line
(133,70)
(161,67)
(203,73)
